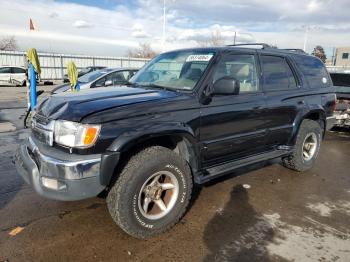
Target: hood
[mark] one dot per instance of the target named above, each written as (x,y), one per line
(74,106)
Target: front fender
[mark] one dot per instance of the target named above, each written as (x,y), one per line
(128,139)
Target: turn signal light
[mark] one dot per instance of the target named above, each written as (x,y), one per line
(90,135)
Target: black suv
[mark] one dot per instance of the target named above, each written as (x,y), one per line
(186,117)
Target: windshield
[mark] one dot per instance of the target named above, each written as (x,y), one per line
(92,76)
(180,70)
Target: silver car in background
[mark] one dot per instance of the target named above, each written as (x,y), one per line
(14,75)
(100,78)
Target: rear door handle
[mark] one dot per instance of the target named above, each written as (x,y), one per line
(301,102)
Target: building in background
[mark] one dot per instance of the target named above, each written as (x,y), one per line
(342,57)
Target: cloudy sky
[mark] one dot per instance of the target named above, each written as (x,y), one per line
(111,27)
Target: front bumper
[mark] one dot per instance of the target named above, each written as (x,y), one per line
(331,121)
(73,178)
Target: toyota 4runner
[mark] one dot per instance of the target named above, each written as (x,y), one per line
(186,117)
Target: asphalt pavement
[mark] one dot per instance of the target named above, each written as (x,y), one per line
(261,213)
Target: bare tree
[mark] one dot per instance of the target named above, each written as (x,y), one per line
(8,43)
(216,39)
(143,51)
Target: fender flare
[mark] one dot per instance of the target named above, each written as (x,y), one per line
(306,114)
(129,139)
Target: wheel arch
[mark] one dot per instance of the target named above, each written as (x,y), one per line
(181,141)
(317,115)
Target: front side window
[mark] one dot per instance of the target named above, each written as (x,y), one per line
(277,74)
(117,77)
(5,70)
(240,67)
(179,70)
(101,82)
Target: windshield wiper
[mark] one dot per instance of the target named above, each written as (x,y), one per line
(152,85)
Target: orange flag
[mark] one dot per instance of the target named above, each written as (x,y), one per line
(31,25)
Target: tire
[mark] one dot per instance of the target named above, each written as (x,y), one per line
(126,198)
(304,153)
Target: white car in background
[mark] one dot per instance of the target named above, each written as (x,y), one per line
(14,75)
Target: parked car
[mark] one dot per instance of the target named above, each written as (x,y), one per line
(341,83)
(83,72)
(100,78)
(188,117)
(14,75)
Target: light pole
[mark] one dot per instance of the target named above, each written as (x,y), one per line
(164,18)
(305,37)
(306,34)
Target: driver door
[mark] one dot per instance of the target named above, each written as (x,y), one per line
(233,126)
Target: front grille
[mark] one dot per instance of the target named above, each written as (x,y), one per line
(42,129)
(41,119)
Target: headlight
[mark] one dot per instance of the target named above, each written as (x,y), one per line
(73,134)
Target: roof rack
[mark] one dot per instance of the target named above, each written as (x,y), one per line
(263,45)
(297,50)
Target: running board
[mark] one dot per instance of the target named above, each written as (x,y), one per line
(223,169)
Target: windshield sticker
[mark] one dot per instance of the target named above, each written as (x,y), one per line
(199,58)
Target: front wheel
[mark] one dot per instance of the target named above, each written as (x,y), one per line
(152,192)
(306,148)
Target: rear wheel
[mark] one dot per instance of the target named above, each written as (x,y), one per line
(306,148)
(151,193)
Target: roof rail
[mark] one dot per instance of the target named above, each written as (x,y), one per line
(263,45)
(297,50)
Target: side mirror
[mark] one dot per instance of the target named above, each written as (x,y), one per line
(226,86)
(108,83)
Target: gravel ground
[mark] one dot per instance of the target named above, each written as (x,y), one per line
(261,213)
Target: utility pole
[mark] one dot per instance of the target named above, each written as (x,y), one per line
(234,39)
(305,37)
(164,22)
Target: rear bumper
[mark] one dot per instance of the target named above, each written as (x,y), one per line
(59,179)
(330,122)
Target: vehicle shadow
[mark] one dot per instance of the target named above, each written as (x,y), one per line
(238,233)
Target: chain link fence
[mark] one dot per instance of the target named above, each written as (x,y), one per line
(53,66)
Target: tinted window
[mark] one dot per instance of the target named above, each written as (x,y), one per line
(340,79)
(5,70)
(240,67)
(314,71)
(277,74)
(17,70)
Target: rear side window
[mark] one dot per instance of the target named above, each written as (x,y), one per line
(277,74)
(16,70)
(314,71)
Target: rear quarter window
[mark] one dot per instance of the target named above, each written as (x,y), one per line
(314,71)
